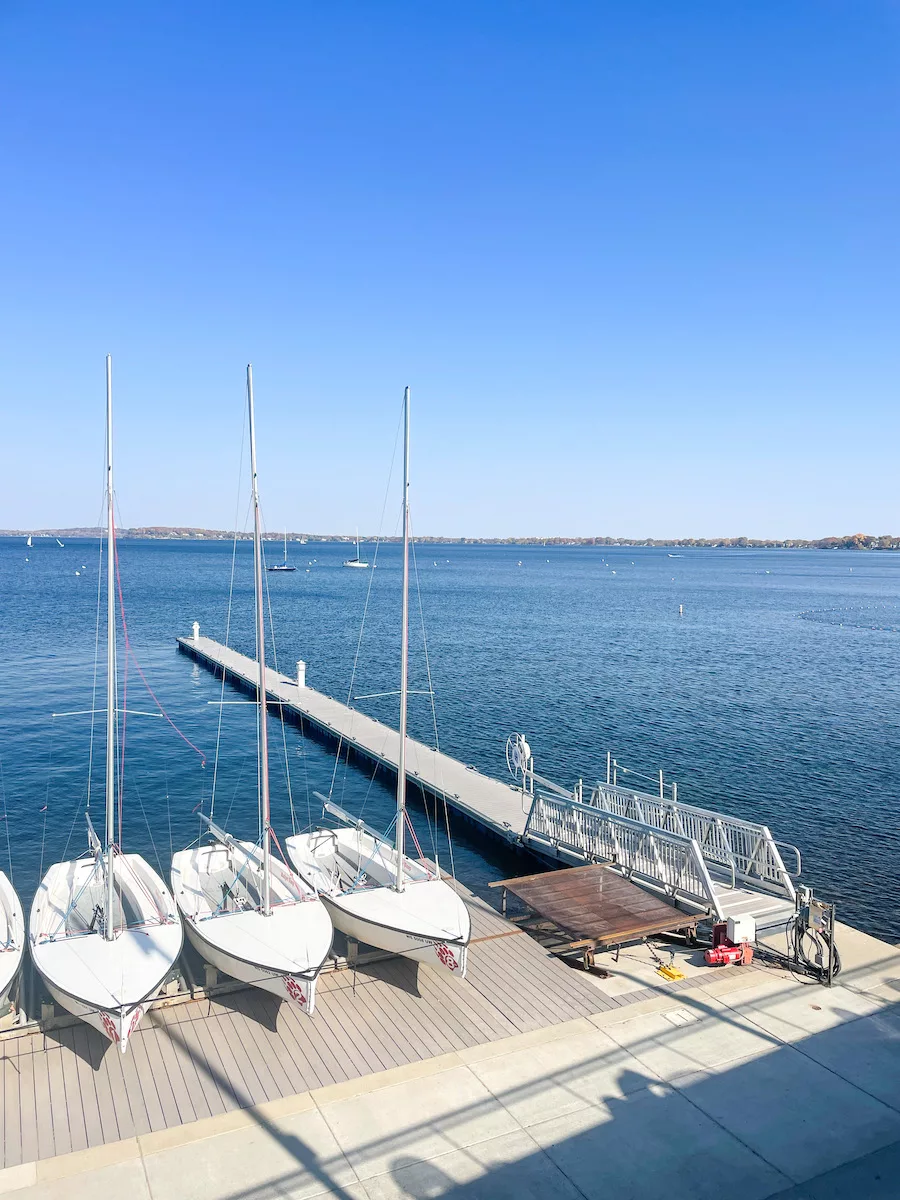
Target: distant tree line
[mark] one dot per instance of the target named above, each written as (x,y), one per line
(851,541)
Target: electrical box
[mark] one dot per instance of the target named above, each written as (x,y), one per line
(741,929)
(817,915)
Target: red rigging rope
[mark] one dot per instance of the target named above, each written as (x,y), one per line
(129,650)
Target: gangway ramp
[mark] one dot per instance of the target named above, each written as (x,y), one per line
(696,857)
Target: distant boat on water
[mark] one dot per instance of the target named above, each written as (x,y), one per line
(356,562)
(28,540)
(283,566)
(59,543)
(676,556)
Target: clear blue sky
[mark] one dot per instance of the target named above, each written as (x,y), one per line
(639,262)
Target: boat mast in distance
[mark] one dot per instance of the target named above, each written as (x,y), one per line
(283,565)
(356,562)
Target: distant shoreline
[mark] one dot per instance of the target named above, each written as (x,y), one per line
(855,541)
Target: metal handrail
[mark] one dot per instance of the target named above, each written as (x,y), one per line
(746,848)
(662,857)
(793,849)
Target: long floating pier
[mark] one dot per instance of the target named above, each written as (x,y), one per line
(488,802)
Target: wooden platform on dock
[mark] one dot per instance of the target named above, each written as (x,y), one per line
(494,805)
(69,1089)
(595,906)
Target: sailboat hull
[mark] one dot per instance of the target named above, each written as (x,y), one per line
(12,937)
(108,984)
(117,1025)
(355,875)
(434,952)
(217,889)
(299,989)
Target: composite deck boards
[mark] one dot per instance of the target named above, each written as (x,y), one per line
(12,1117)
(29,1148)
(70,1088)
(43,1107)
(90,1100)
(58,1105)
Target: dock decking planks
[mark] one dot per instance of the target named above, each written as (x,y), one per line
(70,1088)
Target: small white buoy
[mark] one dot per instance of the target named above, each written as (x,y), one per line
(613,572)
(681,610)
(77,572)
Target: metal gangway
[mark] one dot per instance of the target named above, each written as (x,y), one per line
(697,857)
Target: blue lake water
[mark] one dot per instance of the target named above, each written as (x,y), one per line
(775,696)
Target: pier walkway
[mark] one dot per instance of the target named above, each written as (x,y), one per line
(493,805)
(699,859)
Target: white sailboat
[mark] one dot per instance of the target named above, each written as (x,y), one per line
(12,936)
(28,541)
(374,892)
(244,911)
(104,929)
(356,562)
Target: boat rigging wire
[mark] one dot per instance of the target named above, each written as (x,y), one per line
(384,504)
(96,661)
(280,705)
(93,709)
(234,541)
(437,742)
(5,819)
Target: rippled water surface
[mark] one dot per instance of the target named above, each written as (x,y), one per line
(774,696)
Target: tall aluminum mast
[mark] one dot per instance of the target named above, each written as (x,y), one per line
(400,832)
(111,688)
(260,656)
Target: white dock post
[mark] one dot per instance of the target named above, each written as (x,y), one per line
(196,634)
(301,674)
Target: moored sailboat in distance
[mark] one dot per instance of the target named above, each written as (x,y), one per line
(244,910)
(283,565)
(374,892)
(104,929)
(356,562)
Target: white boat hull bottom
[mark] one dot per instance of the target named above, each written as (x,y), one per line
(12,937)
(354,874)
(299,989)
(117,1026)
(450,955)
